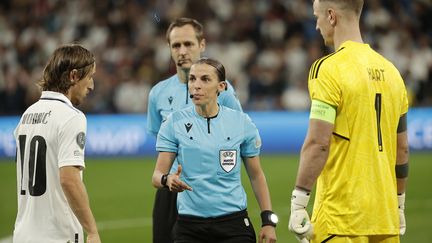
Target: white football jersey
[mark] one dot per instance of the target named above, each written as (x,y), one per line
(50,135)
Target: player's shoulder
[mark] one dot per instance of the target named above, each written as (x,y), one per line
(231,111)
(67,110)
(387,62)
(238,121)
(59,106)
(388,66)
(162,85)
(232,114)
(67,114)
(53,114)
(182,113)
(325,63)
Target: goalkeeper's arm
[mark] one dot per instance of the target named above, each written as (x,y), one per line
(313,157)
(314,153)
(401,169)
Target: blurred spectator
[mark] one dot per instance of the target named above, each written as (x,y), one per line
(266,81)
(131,96)
(377,17)
(267,47)
(296,98)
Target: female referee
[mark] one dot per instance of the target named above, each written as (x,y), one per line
(209,141)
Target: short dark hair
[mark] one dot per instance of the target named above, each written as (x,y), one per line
(180,22)
(220,69)
(354,5)
(65,59)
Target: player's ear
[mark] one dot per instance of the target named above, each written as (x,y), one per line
(331,17)
(222,86)
(73,76)
(202,45)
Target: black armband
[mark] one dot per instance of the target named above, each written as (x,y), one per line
(401,171)
(164,180)
(268,218)
(402,126)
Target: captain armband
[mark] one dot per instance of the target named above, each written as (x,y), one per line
(401,171)
(322,111)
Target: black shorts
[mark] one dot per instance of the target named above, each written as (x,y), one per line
(164,215)
(232,228)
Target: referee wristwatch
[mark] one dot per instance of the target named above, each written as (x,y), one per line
(164,180)
(268,217)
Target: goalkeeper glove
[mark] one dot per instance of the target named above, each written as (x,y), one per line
(299,222)
(402,222)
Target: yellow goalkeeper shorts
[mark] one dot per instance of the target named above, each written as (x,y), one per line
(356,239)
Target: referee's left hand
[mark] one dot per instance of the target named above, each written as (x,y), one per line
(175,184)
(267,234)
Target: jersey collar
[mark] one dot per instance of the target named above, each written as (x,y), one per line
(213,117)
(51,95)
(350,44)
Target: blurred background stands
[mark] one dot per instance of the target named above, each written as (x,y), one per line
(267,47)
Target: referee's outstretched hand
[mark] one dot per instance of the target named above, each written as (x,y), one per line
(175,184)
(267,234)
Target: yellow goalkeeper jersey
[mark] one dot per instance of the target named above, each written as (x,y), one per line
(356,191)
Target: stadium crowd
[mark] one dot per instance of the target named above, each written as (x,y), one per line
(266,46)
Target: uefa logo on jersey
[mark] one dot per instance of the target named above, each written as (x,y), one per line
(228,159)
(81,139)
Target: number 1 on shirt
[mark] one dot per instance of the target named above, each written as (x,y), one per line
(378,116)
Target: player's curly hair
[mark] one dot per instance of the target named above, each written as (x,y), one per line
(65,59)
(180,22)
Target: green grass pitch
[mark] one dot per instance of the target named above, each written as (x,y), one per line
(122,196)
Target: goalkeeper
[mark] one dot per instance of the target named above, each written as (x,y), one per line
(356,146)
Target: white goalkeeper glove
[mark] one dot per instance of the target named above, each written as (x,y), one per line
(402,222)
(299,222)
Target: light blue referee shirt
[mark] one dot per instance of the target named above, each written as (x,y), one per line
(210,151)
(172,95)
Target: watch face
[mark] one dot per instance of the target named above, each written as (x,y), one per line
(274,218)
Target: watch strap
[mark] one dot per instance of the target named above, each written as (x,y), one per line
(164,180)
(268,217)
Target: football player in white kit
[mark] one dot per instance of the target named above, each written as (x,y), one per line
(53,204)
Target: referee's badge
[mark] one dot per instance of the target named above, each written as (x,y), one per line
(228,159)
